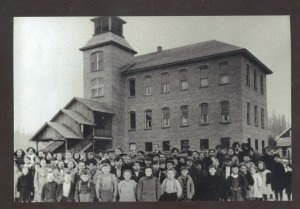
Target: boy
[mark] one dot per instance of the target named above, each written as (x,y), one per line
(85,189)
(249,179)
(49,190)
(214,184)
(236,185)
(24,186)
(137,173)
(107,185)
(66,190)
(171,187)
(81,167)
(92,167)
(187,184)
(127,188)
(117,169)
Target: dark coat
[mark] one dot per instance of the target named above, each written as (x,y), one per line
(278,176)
(136,178)
(25,187)
(268,160)
(214,188)
(242,184)
(288,183)
(49,192)
(70,198)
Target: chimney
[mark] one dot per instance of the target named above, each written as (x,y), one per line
(159,49)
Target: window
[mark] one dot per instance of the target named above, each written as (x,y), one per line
(203,76)
(262,118)
(255,116)
(165,83)
(255,81)
(249,142)
(262,84)
(263,144)
(97,87)
(248,113)
(225,112)
(256,144)
(203,113)
(204,144)
(184,115)
(284,151)
(132,147)
(248,76)
(101,25)
(116,27)
(148,115)
(147,85)
(224,79)
(166,145)
(184,144)
(225,142)
(132,87)
(165,117)
(97,61)
(148,146)
(132,121)
(183,79)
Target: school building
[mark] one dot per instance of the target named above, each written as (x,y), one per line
(196,96)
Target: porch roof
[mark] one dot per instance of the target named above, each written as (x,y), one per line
(77,117)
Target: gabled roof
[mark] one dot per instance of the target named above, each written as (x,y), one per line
(285,134)
(92,104)
(284,139)
(63,130)
(106,39)
(202,50)
(77,117)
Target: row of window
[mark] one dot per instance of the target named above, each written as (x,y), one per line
(183,80)
(262,115)
(248,80)
(204,144)
(224,114)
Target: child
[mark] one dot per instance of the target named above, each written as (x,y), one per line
(127,188)
(214,184)
(66,190)
(187,184)
(249,179)
(137,173)
(148,188)
(171,187)
(40,178)
(278,177)
(288,186)
(92,166)
(17,174)
(236,185)
(266,178)
(81,167)
(24,186)
(107,185)
(49,190)
(199,180)
(255,191)
(117,170)
(85,188)
(58,177)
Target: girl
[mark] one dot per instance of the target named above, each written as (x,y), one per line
(255,191)
(266,178)
(49,159)
(107,185)
(40,178)
(24,186)
(17,174)
(76,157)
(148,188)
(31,154)
(249,180)
(19,157)
(66,190)
(171,187)
(127,188)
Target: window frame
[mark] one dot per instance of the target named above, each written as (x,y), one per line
(248,80)
(163,146)
(98,62)
(165,81)
(248,113)
(203,115)
(262,91)
(203,76)
(222,141)
(181,144)
(147,85)
(163,118)
(182,116)
(181,80)
(130,121)
(225,114)
(147,127)
(220,79)
(262,118)
(201,143)
(148,144)
(255,116)
(99,85)
(255,80)
(130,87)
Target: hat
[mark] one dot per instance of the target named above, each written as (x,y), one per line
(170,161)
(91,161)
(189,158)
(184,168)
(110,151)
(105,161)
(174,148)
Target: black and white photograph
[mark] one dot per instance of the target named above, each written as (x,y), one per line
(152,108)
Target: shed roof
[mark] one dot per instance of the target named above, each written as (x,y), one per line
(200,50)
(64,130)
(77,117)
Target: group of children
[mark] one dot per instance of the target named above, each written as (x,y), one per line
(221,174)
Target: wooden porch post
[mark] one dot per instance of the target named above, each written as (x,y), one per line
(66,145)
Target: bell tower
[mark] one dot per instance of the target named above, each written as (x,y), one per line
(104,55)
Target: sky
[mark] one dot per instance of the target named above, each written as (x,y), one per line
(48,67)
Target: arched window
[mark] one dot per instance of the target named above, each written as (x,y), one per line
(97,61)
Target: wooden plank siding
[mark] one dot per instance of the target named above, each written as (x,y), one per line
(69,122)
(83,110)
